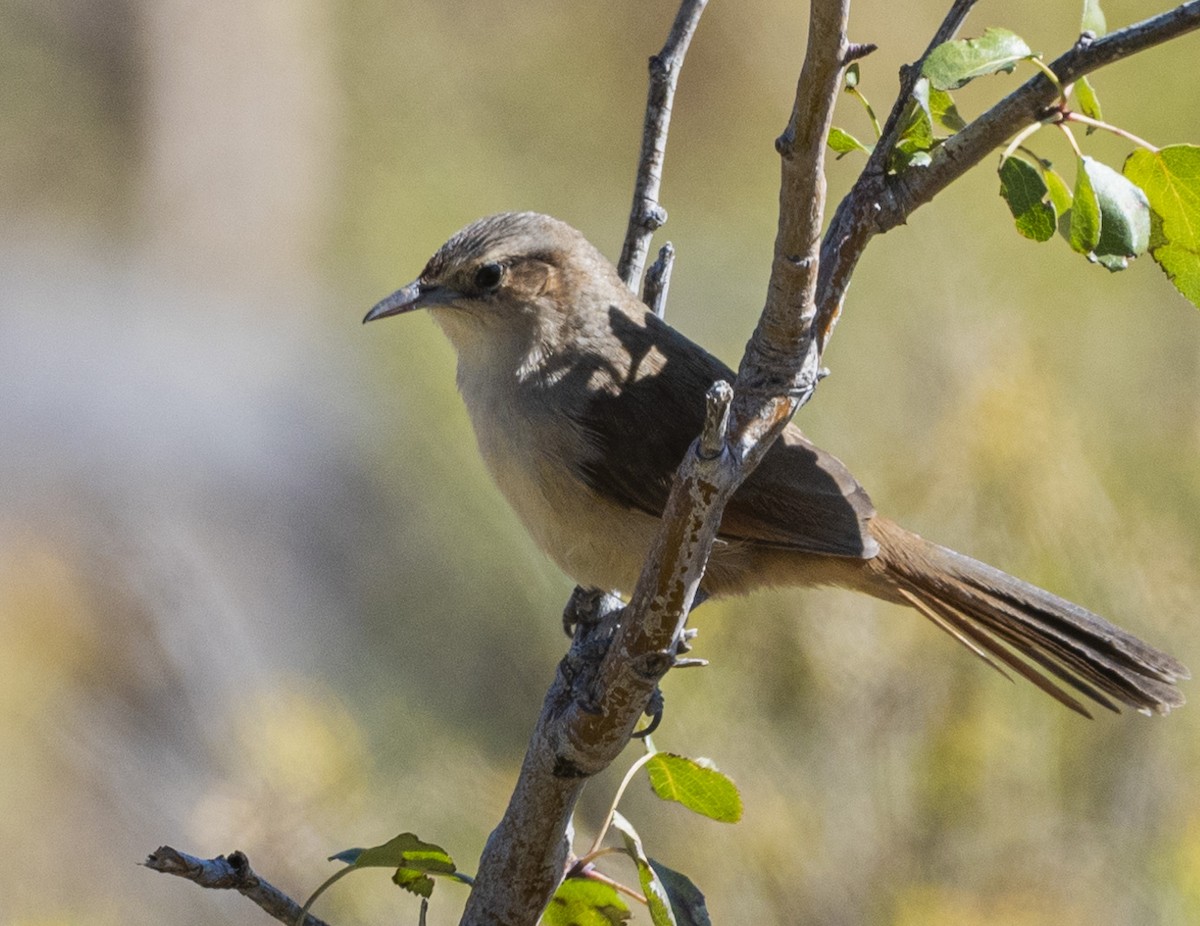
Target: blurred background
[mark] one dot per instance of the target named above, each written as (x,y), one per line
(257,592)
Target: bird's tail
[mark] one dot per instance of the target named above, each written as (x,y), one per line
(1011,624)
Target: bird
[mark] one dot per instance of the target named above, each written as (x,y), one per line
(584,402)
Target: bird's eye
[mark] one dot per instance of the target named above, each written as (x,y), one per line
(488,276)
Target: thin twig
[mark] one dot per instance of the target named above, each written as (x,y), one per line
(647,215)
(232,872)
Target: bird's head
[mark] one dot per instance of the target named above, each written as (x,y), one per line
(513,276)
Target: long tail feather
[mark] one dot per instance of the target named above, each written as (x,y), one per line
(1010,623)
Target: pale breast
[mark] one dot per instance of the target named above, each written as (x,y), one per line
(527,452)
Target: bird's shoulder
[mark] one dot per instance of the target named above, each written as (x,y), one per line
(644,407)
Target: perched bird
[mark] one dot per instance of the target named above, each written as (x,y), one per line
(584,403)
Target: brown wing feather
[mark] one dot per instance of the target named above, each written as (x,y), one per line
(799,497)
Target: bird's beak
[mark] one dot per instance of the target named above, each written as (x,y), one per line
(405,299)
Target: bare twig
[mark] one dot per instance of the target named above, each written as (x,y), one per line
(230,873)
(646,215)
(658,281)
(779,370)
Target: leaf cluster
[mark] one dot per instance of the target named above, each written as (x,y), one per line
(1109,216)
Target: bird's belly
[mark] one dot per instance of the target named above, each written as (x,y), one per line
(595,542)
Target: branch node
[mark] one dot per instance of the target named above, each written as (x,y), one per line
(658,280)
(858,50)
(716,420)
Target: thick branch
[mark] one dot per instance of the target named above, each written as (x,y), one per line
(230,873)
(779,369)
(879,202)
(647,215)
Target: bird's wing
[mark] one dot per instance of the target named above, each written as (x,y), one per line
(800,497)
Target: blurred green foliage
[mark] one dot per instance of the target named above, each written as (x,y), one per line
(256,591)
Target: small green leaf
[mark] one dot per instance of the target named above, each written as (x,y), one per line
(916,138)
(1089,103)
(413,881)
(584,902)
(1093,18)
(657,900)
(852,75)
(403,851)
(958,62)
(1024,190)
(697,785)
(1124,217)
(843,142)
(687,901)
(1083,220)
(945,112)
(1170,178)
(1060,193)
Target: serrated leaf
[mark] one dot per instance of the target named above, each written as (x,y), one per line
(1170,178)
(1093,18)
(584,902)
(1022,187)
(413,881)
(843,142)
(1089,103)
(1124,217)
(1083,220)
(944,111)
(955,63)
(687,901)
(657,900)
(696,785)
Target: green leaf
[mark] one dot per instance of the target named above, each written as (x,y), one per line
(916,138)
(1093,18)
(1024,190)
(945,112)
(1089,103)
(843,142)
(1060,193)
(1124,217)
(403,851)
(958,62)
(413,881)
(1170,178)
(412,859)
(687,901)
(697,785)
(657,899)
(584,902)
(1083,220)
(851,76)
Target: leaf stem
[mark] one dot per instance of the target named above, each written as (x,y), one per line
(1052,77)
(858,95)
(1070,116)
(593,875)
(616,800)
(1019,140)
(1071,139)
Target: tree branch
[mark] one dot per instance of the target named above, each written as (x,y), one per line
(590,712)
(878,202)
(647,215)
(230,873)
